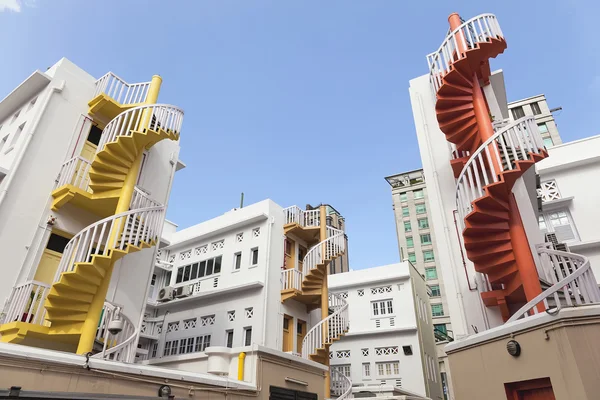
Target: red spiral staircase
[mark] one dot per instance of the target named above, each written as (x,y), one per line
(488,162)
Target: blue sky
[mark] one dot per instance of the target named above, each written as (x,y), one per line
(301,101)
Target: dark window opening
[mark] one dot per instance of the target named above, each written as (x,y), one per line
(57,243)
(94,135)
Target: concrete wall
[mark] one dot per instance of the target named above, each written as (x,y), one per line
(24,209)
(370,332)
(562,348)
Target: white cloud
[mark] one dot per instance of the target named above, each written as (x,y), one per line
(15,5)
(10,5)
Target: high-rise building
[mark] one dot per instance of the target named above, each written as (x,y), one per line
(518,284)
(87,171)
(390,340)
(537,106)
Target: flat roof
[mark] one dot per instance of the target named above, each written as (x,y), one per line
(22,93)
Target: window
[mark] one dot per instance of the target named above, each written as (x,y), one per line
(517,112)
(301,253)
(410,242)
(388,368)
(548,142)
(57,243)
(418,194)
(247,336)
(167,350)
(426,239)
(153,281)
(229,338)
(435,291)
(254,256)
(561,225)
(407,227)
(430,273)
(32,103)
(382,308)
(16,136)
(428,255)
(405,212)
(16,116)
(343,369)
(366,370)
(94,135)
(440,328)
(202,342)
(199,270)
(288,247)
(423,223)
(407,350)
(437,310)
(542,223)
(421,209)
(403,196)
(535,107)
(412,257)
(154,350)
(237,261)
(543,127)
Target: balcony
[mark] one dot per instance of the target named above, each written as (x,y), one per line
(305,224)
(113,95)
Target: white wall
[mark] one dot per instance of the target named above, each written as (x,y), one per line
(391,331)
(25,208)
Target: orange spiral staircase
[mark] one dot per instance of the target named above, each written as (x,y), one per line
(488,162)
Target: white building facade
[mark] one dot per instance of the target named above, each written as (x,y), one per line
(390,341)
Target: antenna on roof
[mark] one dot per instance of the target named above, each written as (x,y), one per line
(242,200)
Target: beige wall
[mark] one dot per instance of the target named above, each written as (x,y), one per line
(569,355)
(273,372)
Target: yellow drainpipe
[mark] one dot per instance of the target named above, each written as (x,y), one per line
(241,359)
(90,325)
(325,296)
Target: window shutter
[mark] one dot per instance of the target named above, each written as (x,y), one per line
(564,233)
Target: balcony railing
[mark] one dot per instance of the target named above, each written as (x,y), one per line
(75,172)
(304,218)
(26,304)
(291,279)
(121,91)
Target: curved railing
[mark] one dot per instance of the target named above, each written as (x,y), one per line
(121,91)
(513,142)
(114,232)
(304,218)
(119,347)
(168,118)
(327,329)
(142,199)
(573,283)
(325,250)
(478,29)
(26,304)
(75,172)
(340,384)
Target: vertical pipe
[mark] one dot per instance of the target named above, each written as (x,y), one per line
(324,297)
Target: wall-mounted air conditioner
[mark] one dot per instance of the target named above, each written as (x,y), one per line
(183,291)
(165,294)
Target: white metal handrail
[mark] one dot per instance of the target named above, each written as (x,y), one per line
(114,232)
(478,29)
(325,250)
(121,91)
(166,117)
(573,281)
(304,218)
(291,279)
(497,154)
(142,199)
(26,304)
(327,329)
(340,384)
(75,172)
(119,347)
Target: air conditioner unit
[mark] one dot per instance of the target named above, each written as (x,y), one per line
(165,294)
(182,291)
(556,245)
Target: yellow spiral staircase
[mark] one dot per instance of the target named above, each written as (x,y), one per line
(74,303)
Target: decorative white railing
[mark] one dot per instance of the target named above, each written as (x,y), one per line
(119,347)
(114,232)
(476,30)
(291,279)
(573,281)
(497,154)
(151,327)
(142,199)
(166,117)
(26,304)
(340,384)
(75,172)
(328,329)
(121,91)
(304,218)
(325,250)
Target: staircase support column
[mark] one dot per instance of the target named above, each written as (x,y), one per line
(325,297)
(525,262)
(484,121)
